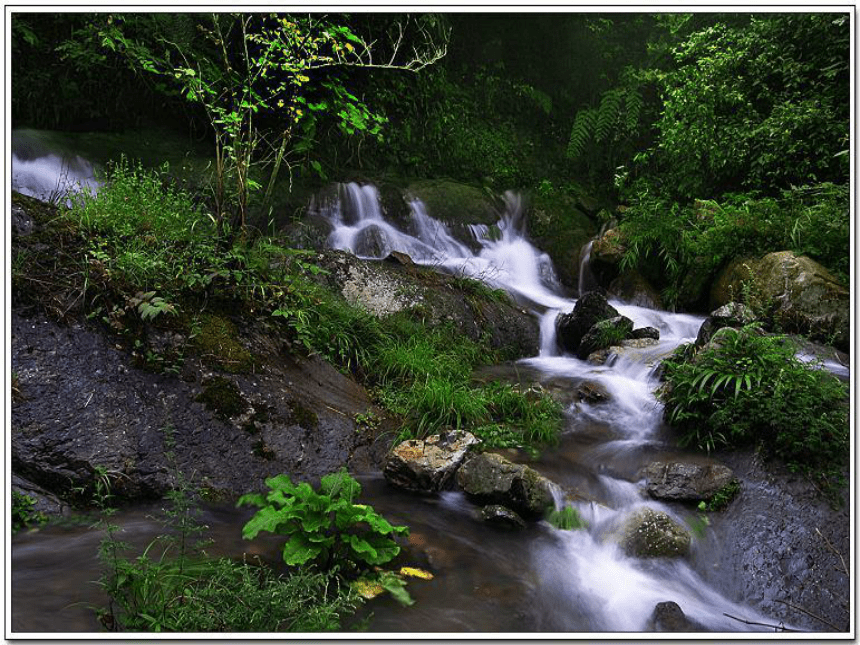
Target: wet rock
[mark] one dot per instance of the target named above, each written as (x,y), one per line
(590,309)
(386,288)
(22,223)
(499,515)
(645,332)
(678,481)
(491,479)
(396,257)
(371,242)
(669,617)
(648,533)
(427,465)
(87,407)
(805,296)
(603,334)
(454,202)
(733,314)
(45,502)
(632,287)
(592,392)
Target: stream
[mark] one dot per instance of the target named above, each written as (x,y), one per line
(540,579)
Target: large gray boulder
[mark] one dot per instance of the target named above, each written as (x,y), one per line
(491,479)
(676,481)
(649,533)
(805,297)
(428,465)
(589,310)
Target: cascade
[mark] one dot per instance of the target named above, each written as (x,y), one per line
(581,568)
(45,174)
(546,580)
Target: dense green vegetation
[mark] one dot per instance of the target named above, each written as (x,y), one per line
(749,388)
(150,254)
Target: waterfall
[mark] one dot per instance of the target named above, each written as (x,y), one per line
(584,570)
(587,281)
(44,173)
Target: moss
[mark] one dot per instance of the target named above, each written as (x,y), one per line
(263,451)
(218,342)
(223,398)
(303,416)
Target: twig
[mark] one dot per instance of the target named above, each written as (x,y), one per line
(779,627)
(809,613)
(834,551)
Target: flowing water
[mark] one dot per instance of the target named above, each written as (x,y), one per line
(540,579)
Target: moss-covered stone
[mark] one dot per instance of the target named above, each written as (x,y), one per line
(455,203)
(218,343)
(223,398)
(560,229)
(304,416)
(653,534)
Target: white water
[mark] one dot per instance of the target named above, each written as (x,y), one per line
(43,173)
(584,573)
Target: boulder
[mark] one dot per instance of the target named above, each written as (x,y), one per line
(590,309)
(677,481)
(592,392)
(642,333)
(806,298)
(604,333)
(669,617)
(371,242)
(499,515)
(726,287)
(386,288)
(491,479)
(648,533)
(427,465)
(732,314)
(632,287)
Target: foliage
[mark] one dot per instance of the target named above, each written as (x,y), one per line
(324,526)
(23,514)
(748,388)
(566,519)
(722,498)
(755,105)
(672,240)
(424,375)
(182,590)
(242,67)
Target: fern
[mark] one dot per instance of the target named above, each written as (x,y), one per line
(607,115)
(620,109)
(583,127)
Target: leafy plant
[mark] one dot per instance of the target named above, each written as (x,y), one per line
(324,526)
(23,513)
(750,388)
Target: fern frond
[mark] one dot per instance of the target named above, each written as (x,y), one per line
(581,132)
(607,116)
(633,103)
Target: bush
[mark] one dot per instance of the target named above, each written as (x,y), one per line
(746,388)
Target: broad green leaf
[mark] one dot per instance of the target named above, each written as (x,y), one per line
(298,550)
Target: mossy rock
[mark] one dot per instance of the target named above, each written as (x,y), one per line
(218,343)
(653,534)
(561,229)
(455,203)
(223,398)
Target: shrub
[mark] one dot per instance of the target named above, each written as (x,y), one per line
(746,388)
(23,513)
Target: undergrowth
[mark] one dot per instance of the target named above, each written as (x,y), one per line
(745,388)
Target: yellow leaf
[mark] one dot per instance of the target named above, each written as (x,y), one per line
(412,572)
(366,589)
